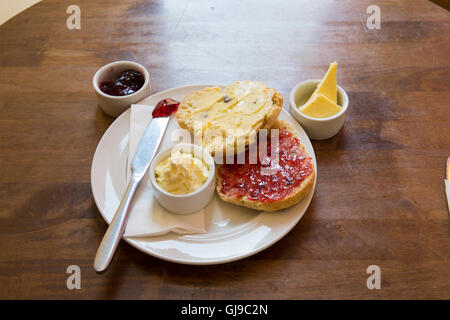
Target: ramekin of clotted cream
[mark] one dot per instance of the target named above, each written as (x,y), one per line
(181,173)
(183,178)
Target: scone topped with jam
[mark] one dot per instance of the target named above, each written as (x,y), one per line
(223,120)
(247,185)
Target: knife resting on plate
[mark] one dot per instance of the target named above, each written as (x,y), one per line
(144,154)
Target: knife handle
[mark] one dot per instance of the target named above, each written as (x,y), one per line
(116,228)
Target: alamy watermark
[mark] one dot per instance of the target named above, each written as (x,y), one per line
(374,280)
(74,280)
(233,146)
(374,19)
(74,20)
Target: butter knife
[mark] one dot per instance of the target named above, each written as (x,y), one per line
(144,154)
(447,183)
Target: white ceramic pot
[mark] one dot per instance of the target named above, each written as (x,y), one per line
(190,202)
(317,128)
(115,105)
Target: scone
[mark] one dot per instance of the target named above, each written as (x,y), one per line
(227,120)
(245,185)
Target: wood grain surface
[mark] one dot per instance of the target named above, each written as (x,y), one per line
(380,193)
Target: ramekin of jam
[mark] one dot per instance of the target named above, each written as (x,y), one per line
(119,84)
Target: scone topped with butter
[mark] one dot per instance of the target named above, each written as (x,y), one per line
(223,120)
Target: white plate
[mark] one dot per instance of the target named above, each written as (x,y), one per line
(232,232)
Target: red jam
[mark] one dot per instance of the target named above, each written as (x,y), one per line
(128,82)
(240,180)
(165,107)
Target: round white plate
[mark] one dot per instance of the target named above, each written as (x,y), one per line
(233,232)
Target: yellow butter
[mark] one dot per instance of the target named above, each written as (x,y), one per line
(233,112)
(328,85)
(181,173)
(320,107)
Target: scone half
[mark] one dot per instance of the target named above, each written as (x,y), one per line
(227,120)
(243,185)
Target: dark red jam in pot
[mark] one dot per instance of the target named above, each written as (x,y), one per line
(127,83)
(246,180)
(165,107)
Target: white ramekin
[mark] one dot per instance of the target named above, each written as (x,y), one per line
(190,202)
(115,105)
(317,128)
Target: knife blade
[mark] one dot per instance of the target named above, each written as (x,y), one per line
(448,169)
(148,145)
(145,152)
(447,183)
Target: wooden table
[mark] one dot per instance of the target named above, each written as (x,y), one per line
(380,193)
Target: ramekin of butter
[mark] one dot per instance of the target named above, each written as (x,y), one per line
(320,105)
(183,178)
(119,84)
